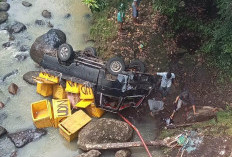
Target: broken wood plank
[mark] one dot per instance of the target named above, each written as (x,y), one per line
(105,146)
(179,125)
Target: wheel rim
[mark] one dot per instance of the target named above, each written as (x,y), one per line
(64,52)
(116,66)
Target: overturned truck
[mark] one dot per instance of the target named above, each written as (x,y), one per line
(129,88)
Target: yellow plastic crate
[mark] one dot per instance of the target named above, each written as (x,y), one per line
(72,87)
(94,111)
(44,89)
(41,112)
(59,92)
(84,103)
(70,126)
(49,77)
(86,92)
(61,110)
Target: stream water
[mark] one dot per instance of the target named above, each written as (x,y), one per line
(16,115)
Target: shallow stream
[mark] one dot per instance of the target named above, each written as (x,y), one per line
(16,115)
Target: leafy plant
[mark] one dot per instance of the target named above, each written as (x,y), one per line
(95,5)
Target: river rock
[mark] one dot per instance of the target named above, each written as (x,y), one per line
(7,44)
(123,153)
(104,130)
(87,16)
(49,24)
(91,153)
(2,131)
(47,43)
(6,147)
(3,16)
(40,22)
(13,154)
(18,27)
(3,116)
(22,138)
(28,77)
(26,4)
(23,48)
(1,105)
(21,57)
(11,37)
(46,14)
(13,88)
(67,16)
(4,6)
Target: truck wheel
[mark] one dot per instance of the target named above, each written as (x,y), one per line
(115,65)
(90,51)
(137,65)
(65,52)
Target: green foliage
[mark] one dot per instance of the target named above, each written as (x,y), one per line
(100,5)
(95,5)
(215,33)
(221,38)
(167,7)
(103,28)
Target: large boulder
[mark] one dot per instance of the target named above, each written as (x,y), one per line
(91,153)
(3,16)
(22,138)
(204,113)
(28,77)
(4,6)
(47,44)
(17,27)
(104,130)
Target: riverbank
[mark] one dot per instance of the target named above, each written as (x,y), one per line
(193,70)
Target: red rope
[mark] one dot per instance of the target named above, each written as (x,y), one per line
(137,131)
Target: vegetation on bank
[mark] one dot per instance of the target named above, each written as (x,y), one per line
(103,29)
(196,26)
(201,26)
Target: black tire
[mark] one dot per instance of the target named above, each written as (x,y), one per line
(115,65)
(90,51)
(65,53)
(137,65)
